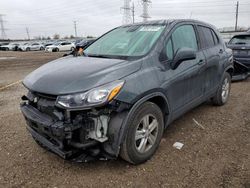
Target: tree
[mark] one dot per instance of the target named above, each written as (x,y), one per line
(56,36)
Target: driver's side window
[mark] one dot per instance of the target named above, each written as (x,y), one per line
(183,37)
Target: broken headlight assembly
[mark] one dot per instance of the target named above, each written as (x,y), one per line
(93,97)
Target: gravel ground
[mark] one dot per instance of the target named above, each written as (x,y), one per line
(216,156)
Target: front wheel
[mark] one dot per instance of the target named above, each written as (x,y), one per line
(145,129)
(223,91)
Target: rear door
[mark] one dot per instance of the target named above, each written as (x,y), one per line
(68,46)
(184,84)
(35,46)
(214,53)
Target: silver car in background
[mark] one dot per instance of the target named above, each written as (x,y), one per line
(60,46)
(31,47)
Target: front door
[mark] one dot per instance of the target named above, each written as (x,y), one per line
(184,85)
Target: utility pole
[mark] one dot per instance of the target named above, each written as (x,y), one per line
(145,15)
(3,34)
(126,12)
(237,13)
(75,29)
(28,34)
(133,12)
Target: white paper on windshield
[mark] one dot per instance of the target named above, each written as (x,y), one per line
(150,28)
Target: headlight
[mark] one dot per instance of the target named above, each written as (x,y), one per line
(96,96)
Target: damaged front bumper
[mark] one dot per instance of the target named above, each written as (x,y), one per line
(54,135)
(78,135)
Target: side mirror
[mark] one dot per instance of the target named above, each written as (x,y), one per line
(182,54)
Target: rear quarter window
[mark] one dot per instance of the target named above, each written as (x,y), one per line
(206,37)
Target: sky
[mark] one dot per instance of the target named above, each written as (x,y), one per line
(95,17)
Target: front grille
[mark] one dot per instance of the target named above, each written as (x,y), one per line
(45,96)
(45,103)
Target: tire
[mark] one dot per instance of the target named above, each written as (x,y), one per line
(56,49)
(27,49)
(7,49)
(132,149)
(42,48)
(222,93)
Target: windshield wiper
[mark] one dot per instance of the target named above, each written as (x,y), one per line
(98,56)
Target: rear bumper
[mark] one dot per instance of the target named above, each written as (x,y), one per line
(241,71)
(245,61)
(55,135)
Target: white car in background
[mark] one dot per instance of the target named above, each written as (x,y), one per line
(10,46)
(60,46)
(31,47)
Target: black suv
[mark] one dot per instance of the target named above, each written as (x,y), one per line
(128,86)
(240,44)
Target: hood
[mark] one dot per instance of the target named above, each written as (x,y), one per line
(23,46)
(51,46)
(78,74)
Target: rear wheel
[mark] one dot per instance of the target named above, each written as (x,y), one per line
(145,129)
(223,91)
(27,49)
(42,48)
(56,49)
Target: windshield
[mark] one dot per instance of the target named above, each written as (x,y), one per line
(56,43)
(126,41)
(244,39)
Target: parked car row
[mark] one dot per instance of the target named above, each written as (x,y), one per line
(51,46)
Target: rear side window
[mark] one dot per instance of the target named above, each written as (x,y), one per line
(206,37)
(184,37)
(216,39)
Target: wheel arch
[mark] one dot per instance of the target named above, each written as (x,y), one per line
(230,70)
(118,125)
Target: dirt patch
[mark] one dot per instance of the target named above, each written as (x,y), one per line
(216,156)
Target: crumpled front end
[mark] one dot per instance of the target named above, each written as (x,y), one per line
(80,135)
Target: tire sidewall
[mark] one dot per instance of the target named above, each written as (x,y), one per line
(219,100)
(146,108)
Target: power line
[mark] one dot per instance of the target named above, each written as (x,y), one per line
(145,15)
(126,12)
(236,16)
(3,33)
(133,12)
(75,29)
(28,34)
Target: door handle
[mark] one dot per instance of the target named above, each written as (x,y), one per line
(201,62)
